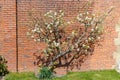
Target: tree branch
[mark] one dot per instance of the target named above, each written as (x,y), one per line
(58,56)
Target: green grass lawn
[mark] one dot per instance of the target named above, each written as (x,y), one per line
(89,75)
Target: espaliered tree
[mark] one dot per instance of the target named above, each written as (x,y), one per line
(63,48)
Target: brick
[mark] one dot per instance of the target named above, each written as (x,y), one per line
(102,57)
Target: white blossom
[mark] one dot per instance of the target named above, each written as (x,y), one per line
(32,36)
(86,40)
(92,38)
(78,18)
(62,14)
(89,39)
(76,45)
(87,13)
(96,28)
(93,15)
(35,40)
(55,13)
(50,31)
(92,29)
(88,47)
(98,38)
(57,44)
(33,31)
(38,31)
(78,49)
(86,18)
(38,40)
(28,34)
(48,26)
(73,32)
(57,23)
(45,51)
(89,19)
(80,14)
(68,22)
(60,11)
(83,45)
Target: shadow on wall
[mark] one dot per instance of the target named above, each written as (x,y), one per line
(117,53)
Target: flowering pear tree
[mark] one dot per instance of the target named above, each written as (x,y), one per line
(63,48)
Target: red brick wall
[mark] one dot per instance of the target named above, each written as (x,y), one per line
(8,32)
(103,55)
(28,47)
